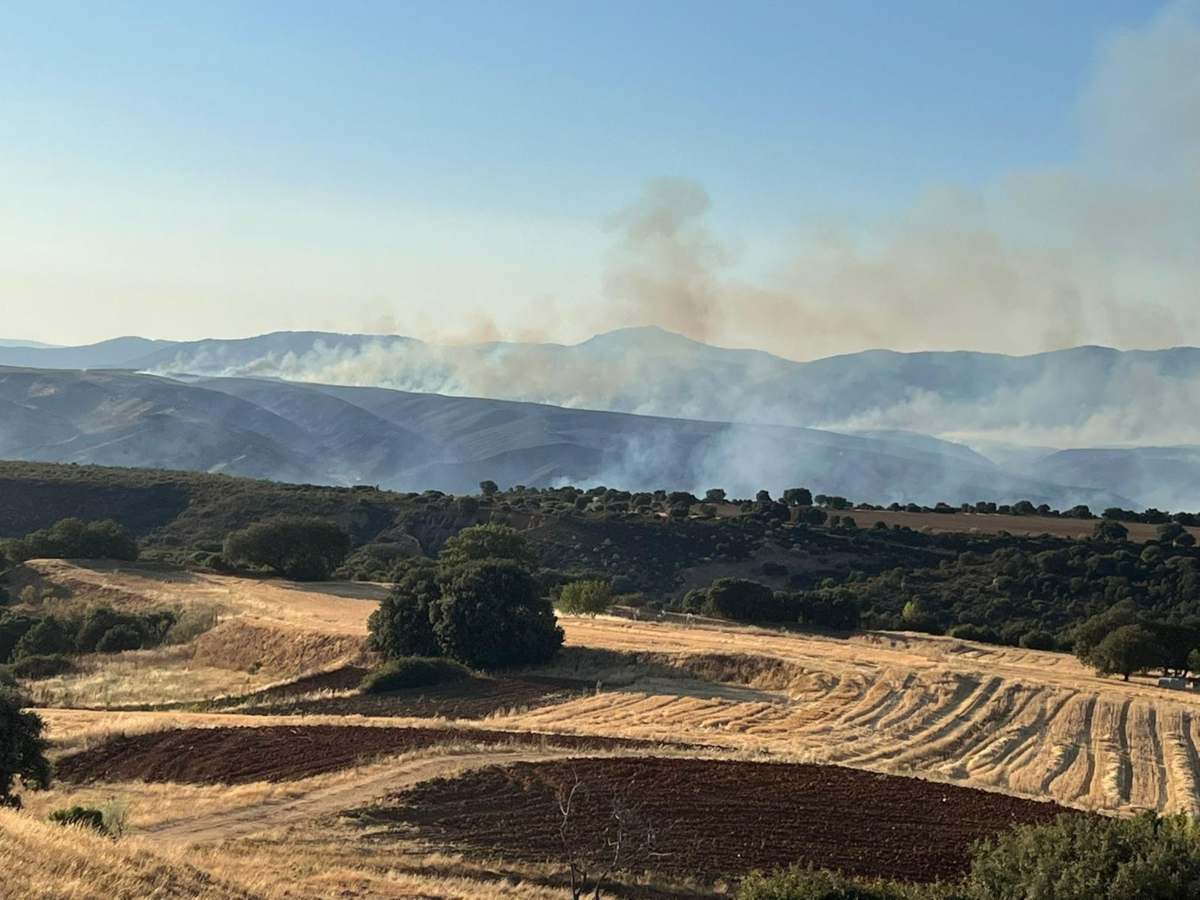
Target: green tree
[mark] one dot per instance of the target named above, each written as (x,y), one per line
(1129,649)
(75,539)
(1109,530)
(742,600)
(22,750)
(587,598)
(400,626)
(491,614)
(1090,858)
(715,495)
(489,488)
(298,547)
(798,497)
(489,541)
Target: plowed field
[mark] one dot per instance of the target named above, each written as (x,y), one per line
(279,753)
(720,818)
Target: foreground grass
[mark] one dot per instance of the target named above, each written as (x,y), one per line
(57,863)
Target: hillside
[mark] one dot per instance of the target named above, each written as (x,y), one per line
(265,428)
(1074,393)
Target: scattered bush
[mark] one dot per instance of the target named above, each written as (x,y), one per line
(82,816)
(742,601)
(586,597)
(801,883)
(190,624)
(413,672)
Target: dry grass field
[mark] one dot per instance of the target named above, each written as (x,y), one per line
(1020,722)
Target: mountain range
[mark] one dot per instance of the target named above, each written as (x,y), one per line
(1122,423)
(403,440)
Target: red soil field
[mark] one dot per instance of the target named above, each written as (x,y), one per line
(279,752)
(721,818)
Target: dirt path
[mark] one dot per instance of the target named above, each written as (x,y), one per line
(242,821)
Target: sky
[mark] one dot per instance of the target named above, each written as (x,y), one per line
(807,178)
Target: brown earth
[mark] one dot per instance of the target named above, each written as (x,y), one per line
(241,755)
(718,818)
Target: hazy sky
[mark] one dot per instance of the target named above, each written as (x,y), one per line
(809,178)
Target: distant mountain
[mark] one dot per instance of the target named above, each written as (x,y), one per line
(35,345)
(1163,477)
(116,353)
(350,435)
(1014,410)
(1086,396)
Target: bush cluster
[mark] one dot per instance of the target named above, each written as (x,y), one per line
(413,672)
(73,539)
(1077,857)
(299,547)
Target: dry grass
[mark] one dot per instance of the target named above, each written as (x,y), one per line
(49,862)
(144,677)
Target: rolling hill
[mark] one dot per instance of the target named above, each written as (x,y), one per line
(402,440)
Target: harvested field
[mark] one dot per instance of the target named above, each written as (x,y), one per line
(281,753)
(720,818)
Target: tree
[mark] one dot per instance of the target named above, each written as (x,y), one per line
(75,539)
(600,839)
(46,638)
(714,495)
(1129,649)
(401,626)
(763,496)
(587,598)
(302,548)
(742,600)
(489,488)
(1109,530)
(487,541)
(490,614)
(798,497)
(22,750)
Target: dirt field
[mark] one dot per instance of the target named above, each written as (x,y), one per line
(720,817)
(279,753)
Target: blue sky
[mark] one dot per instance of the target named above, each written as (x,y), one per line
(225,168)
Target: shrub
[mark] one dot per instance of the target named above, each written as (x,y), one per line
(302,548)
(413,672)
(586,597)
(1038,640)
(22,750)
(83,816)
(118,639)
(1090,858)
(490,614)
(800,883)
(34,668)
(190,624)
